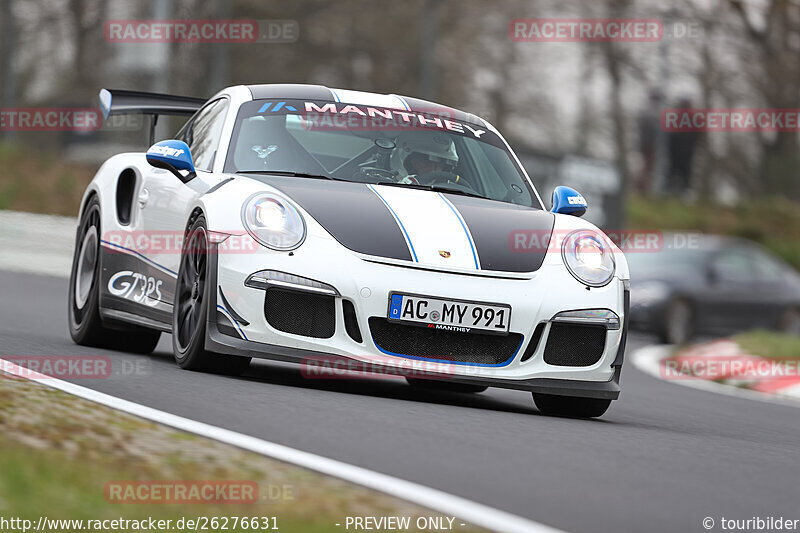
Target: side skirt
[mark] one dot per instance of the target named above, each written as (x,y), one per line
(134,289)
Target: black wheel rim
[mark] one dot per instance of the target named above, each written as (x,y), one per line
(191,288)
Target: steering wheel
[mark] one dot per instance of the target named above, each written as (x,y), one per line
(375,173)
(443,176)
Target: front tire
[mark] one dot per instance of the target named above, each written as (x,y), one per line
(85,325)
(570,406)
(192,295)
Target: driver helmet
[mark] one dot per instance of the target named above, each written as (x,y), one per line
(414,149)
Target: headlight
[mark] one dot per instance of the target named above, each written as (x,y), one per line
(273,221)
(588,258)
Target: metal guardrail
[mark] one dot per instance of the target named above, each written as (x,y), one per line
(36,244)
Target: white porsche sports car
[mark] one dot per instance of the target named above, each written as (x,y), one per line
(348,230)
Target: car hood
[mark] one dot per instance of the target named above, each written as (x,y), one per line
(444,230)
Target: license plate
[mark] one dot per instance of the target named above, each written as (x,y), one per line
(461,316)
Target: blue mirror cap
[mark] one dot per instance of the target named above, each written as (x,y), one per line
(568,201)
(171,153)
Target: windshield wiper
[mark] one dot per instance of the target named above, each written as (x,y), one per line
(434,188)
(288,173)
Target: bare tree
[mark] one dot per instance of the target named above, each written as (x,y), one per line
(777,80)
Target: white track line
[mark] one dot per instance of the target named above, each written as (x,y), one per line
(471,512)
(648,360)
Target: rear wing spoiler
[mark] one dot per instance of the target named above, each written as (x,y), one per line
(121,102)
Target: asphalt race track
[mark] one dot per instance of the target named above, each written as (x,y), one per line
(662,459)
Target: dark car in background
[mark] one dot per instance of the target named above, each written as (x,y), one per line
(715,286)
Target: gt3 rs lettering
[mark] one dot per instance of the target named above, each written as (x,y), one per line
(136,287)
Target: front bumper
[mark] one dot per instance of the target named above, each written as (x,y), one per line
(367,285)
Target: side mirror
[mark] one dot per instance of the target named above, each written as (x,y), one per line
(172,155)
(568,201)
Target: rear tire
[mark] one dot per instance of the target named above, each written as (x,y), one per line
(192,295)
(85,325)
(448,386)
(570,406)
(677,327)
(790,322)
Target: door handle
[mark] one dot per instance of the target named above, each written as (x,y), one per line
(144,195)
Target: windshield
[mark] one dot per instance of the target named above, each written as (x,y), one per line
(375,145)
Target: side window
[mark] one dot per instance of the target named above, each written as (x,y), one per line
(734,265)
(767,268)
(204,132)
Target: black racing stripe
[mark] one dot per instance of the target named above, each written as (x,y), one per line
(496,228)
(291,90)
(352,213)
